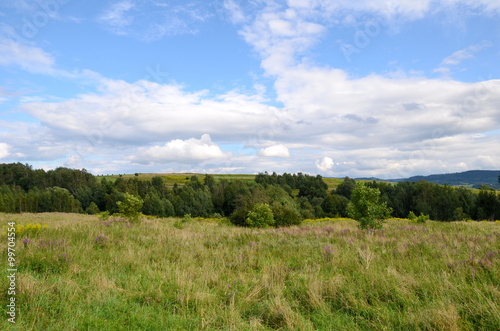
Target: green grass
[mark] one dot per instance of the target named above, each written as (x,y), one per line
(182,178)
(325,275)
(176,178)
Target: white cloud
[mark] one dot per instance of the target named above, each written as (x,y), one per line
(4,150)
(464,54)
(152,20)
(144,112)
(116,16)
(235,11)
(325,165)
(275,151)
(386,126)
(181,151)
(29,58)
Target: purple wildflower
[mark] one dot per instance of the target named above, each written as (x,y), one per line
(328,252)
(100,240)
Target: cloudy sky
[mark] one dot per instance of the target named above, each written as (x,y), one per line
(389,88)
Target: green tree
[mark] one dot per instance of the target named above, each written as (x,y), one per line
(335,205)
(130,207)
(260,217)
(153,205)
(92,209)
(346,187)
(365,207)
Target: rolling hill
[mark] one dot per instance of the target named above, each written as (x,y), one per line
(471,179)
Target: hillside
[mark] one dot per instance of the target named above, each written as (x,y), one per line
(470,179)
(473,178)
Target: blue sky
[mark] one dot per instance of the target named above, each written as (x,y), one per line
(365,88)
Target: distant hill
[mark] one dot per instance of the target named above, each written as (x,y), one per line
(471,179)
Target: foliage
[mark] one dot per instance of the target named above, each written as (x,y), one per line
(130,207)
(335,205)
(187,218)
(104,216)
(285,213)
(412,216)
(422,218)
(92,209)
(24,189)
(260,217)
(346,187)
(366,208)
(29,229)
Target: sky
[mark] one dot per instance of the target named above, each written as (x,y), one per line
(386,89)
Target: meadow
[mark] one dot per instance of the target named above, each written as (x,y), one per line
(79,272)
(182,178)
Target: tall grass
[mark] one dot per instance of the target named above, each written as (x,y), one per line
(81,273)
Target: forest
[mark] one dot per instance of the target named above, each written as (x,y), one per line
(291,197)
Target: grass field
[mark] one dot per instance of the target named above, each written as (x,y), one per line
(177,178)
(182,178)
(81,273)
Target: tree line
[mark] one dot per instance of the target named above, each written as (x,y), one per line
(290,197)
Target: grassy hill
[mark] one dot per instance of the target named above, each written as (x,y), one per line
(181,178)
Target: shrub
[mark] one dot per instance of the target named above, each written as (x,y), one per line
(180,224)
(285,214)
(412,216)
(92,209)
(130,207)
(260,217)
(28,229)
(422,218)
(366,208)
(187,218)
(104,216)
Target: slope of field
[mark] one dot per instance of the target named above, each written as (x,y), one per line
(176,178)
(470,179)
(81,273)
(182,178)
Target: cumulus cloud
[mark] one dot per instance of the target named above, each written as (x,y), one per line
(325,165)
(143,112)
(275,151)
(375,125)
(182,151)
(4,150)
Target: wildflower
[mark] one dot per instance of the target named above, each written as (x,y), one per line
(100,240)
(26,241)
(327,252)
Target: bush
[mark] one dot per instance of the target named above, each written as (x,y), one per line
(412,216)
(104,216)
(366,208)
(92,209)
(180,224)
(260,217)
(187,218)
(285,214)
(422,218)
(130,207)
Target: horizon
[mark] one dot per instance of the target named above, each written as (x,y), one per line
(363,89)
(255,174)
